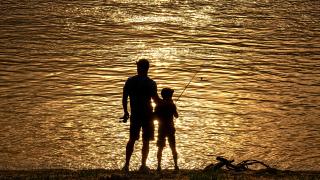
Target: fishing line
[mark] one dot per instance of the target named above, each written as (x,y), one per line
(190,81)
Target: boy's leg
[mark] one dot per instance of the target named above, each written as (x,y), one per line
(172,143)
(159,157)
(161,143)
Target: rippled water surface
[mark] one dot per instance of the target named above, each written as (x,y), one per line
(255,95)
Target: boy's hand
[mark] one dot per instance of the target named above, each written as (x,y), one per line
(125,117)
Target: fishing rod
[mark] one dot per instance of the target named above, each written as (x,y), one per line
(190,81)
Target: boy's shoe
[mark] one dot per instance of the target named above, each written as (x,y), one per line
(176,169)
(144,169)
(125,169)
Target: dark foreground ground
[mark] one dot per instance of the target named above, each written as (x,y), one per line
(166,174)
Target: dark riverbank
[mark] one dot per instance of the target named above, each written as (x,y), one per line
(167,174)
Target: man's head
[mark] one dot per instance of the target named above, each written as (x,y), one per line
(143,67)
(167,93)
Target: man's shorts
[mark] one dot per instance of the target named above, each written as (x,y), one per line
(147,130)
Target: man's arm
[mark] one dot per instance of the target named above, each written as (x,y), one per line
(155,96)
(125,96)
(125,102)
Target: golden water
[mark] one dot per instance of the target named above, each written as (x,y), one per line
(256,94)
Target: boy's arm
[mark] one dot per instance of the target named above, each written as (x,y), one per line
(175,114)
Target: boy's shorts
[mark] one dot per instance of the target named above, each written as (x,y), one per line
(166,132)
(147,131)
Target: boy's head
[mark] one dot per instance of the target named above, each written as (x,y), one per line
(167,93)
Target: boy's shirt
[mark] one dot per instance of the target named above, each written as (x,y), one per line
(165,111)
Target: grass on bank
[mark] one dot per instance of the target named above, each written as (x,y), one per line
(166,174)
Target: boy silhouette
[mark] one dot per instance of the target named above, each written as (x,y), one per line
(165,111)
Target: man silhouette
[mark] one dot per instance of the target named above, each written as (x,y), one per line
(140,89)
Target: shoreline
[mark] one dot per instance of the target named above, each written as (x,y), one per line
(165,174)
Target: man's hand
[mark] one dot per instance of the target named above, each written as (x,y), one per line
(125,117)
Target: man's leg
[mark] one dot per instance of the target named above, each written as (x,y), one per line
(129,151)
(134,135)
(147,136)
(145,152)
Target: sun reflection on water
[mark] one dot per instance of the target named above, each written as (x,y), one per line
(64,65)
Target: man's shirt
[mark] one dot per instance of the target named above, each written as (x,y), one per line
(140,90)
